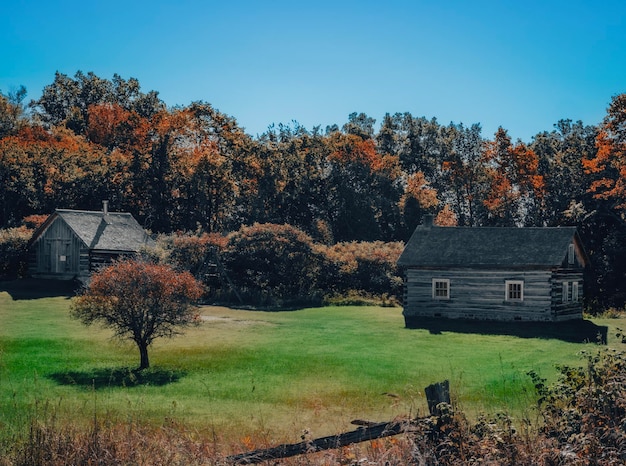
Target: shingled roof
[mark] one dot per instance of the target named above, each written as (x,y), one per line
(113,231)
(495,247)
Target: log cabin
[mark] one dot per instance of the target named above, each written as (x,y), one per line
(510,274)
(71,244)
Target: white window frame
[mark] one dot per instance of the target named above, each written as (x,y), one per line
(507,291)
(435,289)
(575,292)
(565,292)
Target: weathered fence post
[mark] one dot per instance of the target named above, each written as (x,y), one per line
(435,394)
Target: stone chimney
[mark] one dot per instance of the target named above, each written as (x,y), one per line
(427,221)
(105,207)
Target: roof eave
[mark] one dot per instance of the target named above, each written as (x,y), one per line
(115,251)
(46,224)
(481,267)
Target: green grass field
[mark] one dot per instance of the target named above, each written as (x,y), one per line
(246,373)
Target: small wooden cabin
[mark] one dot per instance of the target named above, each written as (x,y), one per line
(71,244)
(528,274)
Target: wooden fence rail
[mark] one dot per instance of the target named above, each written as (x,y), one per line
(435,394)
(383,429)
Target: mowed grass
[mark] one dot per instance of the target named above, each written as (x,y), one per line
(246,373)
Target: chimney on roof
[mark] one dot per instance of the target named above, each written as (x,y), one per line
(105,207)
(427,221)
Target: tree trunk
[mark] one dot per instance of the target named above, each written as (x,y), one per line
(143,353)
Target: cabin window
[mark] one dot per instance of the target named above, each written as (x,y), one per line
(514,290)
(575,292)
(441,288)
(565,291)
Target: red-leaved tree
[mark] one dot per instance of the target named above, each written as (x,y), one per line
(140,301)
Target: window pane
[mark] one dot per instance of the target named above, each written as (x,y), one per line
(514,290)
(441,289)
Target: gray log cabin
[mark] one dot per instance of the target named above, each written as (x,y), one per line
(71,244)
(528,274)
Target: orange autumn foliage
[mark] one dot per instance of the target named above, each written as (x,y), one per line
(608,167)
(513,170)
(349,148)
(446,217)
(419,188)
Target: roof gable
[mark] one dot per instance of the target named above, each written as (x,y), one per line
(114,231)
(496,247)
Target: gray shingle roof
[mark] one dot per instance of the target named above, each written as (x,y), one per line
(496,247)
(116,231)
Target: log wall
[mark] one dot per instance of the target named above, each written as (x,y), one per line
(480,294)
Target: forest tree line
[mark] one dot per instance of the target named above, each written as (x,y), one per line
(194,169)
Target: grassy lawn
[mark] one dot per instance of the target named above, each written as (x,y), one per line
(272,373)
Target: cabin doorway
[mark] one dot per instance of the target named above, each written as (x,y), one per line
(57,256)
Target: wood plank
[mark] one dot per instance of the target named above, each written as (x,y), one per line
(379,430)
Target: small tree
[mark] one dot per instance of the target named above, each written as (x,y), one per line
(139,301)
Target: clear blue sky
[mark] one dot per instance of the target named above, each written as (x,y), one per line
(522,65)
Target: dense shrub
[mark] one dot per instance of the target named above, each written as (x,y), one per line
(273,263)
(582,423)
(585,412)
(14,251)
(185,251)
(359,298)
(451,439)
(270,264)
(365,267)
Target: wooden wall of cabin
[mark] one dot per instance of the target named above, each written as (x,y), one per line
(570,306)
(101,259)
(479,294)
(58,253)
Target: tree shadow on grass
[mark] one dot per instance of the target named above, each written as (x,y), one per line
(575,331)
(117,377)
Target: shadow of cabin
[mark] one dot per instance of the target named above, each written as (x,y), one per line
(572,331)
(71,244)
(32,288)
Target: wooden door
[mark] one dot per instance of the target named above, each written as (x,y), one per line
(57,254)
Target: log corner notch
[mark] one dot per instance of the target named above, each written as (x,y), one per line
(435,395)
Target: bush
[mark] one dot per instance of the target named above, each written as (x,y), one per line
(273,263)
(366,267)
(360,298)
(184,251)
(279,265)
(14,252)
(584,413)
